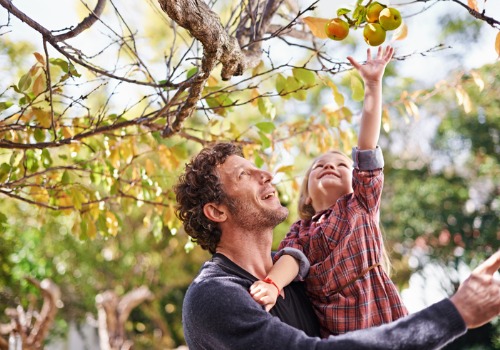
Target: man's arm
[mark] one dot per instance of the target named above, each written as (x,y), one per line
(228,318)
(220,314)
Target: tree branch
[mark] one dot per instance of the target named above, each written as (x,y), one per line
(218,46)
(85,24)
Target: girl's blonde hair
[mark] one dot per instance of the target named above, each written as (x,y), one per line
(306,211)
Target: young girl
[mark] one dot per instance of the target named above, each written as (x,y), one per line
(339,228)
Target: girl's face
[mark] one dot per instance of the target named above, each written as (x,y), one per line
(329,179)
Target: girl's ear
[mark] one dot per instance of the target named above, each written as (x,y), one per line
(308,201)
(215,212)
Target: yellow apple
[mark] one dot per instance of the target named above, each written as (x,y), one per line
(337,29)
(374,34)
(390,18)
(373,12)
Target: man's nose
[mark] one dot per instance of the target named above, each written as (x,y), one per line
(265,176)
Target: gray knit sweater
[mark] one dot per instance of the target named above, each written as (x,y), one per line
(219,313)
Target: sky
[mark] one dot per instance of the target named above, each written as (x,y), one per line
(421,36)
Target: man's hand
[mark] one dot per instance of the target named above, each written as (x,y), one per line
(478,297)
(264,293)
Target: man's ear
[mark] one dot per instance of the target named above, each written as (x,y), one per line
(215,212)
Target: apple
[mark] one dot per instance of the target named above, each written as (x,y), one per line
(373,12)
(374,34)
(390,18)
(337,29)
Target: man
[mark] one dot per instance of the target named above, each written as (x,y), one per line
(230,208)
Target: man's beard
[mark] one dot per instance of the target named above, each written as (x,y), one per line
(251,218)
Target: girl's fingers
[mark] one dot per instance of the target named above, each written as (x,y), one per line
(353,62)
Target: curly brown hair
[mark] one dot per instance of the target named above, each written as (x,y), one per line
(199,185)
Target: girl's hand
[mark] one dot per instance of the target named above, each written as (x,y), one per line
(264,293)
(373,69)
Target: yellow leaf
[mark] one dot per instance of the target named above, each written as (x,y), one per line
(473,4)
(254,94)
(411,109)
(150,167)
(337,96)
(212,81)
(66,132)
(39,84)
(39,194)
(111,223)
(463,99)
(43,117)
(285,169)
(317,26)
(386,122)
(64,201)
(497,44)
(478,80)
(39,58)
(401,33)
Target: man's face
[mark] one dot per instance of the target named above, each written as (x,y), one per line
(252,201)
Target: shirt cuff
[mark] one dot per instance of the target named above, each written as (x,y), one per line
(300,257)
(367,159)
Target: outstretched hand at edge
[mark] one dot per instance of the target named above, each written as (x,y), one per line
(478,297)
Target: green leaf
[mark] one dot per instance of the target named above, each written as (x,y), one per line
(300,95)
(3,222)
(304,75)
(267,127)
(359,15)
(39,135)
(266,142)
(191,72)
(357,88)
(78,198)
(280,84)
(259,162)
(4,171)
(31,160)
(65,179)
(266,108)
(342,11)
(5,105)
(73,71)
(25,82)
(63,64)
(46,158)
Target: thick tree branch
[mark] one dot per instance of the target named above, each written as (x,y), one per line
(218,46)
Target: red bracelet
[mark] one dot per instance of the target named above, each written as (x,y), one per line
(270,281)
